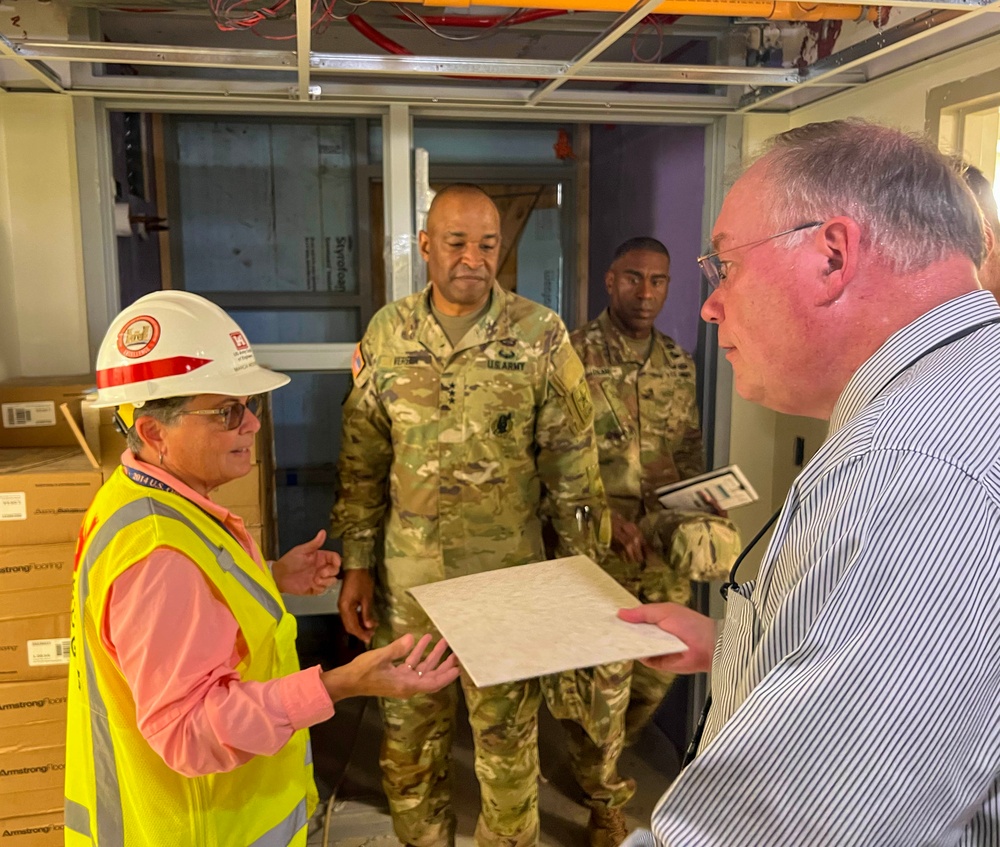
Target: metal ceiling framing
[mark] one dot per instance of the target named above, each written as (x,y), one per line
(323,64)
(39,70)
(618,29)
(586,83)
(303,45)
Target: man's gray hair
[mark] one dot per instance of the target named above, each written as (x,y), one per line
(166,411)
(911,205)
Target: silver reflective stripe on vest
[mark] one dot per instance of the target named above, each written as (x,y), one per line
(77,818)
(284,832)
(110,826)
(135,511)
(254,589)
(309,752)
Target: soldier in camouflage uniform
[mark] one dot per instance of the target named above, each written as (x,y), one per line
(648,435)
(469,421)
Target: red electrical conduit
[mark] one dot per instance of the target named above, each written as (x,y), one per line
(376,37)
(487,21)
(387,44)
(390,46)
(526,16)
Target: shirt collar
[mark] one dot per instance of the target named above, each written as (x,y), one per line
(492,325)
(906,346)
(619,350)
(220,513)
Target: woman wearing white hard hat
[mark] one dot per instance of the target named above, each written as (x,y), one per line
(188,712)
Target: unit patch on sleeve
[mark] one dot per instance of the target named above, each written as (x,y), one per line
(583,405)
(357,362)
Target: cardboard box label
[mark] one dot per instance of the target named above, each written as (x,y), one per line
(35,566)
(29,410)
(34,757)
(41,413)
(32,701)
(33,830)
(57,487)
(39,617)
(48,651)
(38,771)
(13,506)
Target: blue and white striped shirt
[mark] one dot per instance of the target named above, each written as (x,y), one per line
(856,683)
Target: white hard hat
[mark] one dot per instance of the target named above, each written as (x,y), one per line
(176,344)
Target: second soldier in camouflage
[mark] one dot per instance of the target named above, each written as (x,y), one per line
(648,435)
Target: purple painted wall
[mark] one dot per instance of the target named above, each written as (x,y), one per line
(650,180)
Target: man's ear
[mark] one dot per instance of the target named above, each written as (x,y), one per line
(423,244)
(839,242)
(609,279)
(991,239)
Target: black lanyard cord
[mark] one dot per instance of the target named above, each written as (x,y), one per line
(692,749)
(731,582)
(144,479)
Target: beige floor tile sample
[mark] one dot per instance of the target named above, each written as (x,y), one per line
(537,619)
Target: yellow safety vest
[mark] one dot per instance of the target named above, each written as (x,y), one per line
(119,792)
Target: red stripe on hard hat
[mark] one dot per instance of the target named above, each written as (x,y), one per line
(143,371)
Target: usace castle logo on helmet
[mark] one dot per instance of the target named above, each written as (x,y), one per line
(138,337)
(240,340)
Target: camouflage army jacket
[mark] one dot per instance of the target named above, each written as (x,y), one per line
(459,453)
(645,414)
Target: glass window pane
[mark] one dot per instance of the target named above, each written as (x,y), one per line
(374,141)
(540,259)
(483,144)
(266,206)
(507,144)
(294,326)
(306,415)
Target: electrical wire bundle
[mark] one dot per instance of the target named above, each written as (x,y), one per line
(497,23)
(237,15)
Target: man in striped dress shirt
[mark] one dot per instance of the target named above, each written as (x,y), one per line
(856,680)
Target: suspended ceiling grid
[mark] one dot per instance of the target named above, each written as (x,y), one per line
(680,58)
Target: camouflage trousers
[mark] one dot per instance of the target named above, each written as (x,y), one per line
(651,584)
(416,750)
(415,755)
(684,546)
(591,705)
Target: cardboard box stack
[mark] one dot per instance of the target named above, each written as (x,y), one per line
(46,485)
(32,746)
(29,410)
